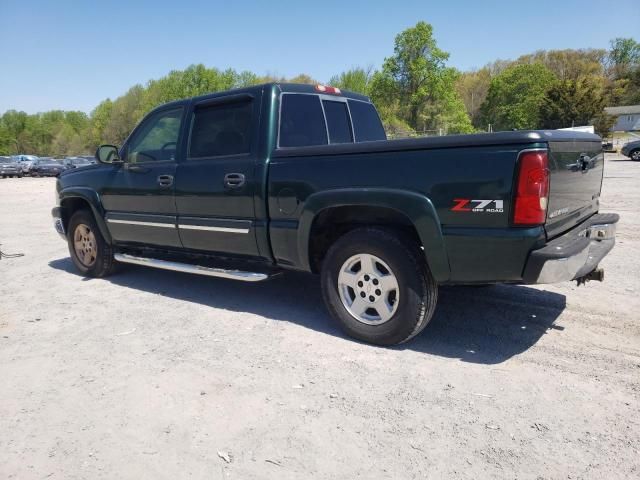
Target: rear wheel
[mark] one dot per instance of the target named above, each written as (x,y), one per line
(90,253)
(376,283)
(635,155)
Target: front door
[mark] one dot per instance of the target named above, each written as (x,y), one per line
(139,198)
(215,182)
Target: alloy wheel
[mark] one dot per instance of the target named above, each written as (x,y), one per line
(368,289)
(84,244)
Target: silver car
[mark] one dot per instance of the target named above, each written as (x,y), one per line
(26,162)
(9,168)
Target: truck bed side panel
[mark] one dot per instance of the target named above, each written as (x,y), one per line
(483,175)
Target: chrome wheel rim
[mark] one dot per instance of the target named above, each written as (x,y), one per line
(84,245)
(368,289)
(636,155)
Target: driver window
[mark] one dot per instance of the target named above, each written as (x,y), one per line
(157,138)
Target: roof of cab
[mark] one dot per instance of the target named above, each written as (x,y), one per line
(282,87)
(306,88)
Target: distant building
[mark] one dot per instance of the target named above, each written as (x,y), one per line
(627,118)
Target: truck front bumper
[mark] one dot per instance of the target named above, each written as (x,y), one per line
(57,222)
(575,254)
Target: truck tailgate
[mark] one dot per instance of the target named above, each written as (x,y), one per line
(575,182)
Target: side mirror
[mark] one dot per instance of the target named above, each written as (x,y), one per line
(108,154)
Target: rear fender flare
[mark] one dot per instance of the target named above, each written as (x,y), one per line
(92,198)
(416,207)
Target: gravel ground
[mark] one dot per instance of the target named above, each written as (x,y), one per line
(154,374)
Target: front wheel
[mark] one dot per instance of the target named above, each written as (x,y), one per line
(635,155)
(378,286)
(90,252)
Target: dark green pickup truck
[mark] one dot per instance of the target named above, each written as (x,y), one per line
(247,183)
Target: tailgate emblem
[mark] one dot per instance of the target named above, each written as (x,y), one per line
(468,205)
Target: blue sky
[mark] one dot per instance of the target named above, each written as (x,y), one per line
(70,55)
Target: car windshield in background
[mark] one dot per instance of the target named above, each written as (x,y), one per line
(5,160)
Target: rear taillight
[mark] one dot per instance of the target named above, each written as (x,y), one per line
(532,192)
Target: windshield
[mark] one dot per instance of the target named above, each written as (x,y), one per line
(5,160)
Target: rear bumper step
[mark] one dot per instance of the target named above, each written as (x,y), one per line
(574,255)
(197,269)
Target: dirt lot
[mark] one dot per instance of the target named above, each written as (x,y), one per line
(153,374)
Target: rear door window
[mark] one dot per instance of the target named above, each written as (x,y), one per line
(222,129)
(301,121)
(338,122)
(366,122)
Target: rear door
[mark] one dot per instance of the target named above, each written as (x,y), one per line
(576,179)
(139,195)
(216,183)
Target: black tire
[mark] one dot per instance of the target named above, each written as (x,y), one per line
(417,289)
(635,155)
(104,263)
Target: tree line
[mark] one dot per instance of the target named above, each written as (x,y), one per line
(415,91)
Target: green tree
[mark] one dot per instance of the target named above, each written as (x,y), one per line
(417,78)
(569,64)
(303,78)
(572,103)
(623,57)
(516,96)
(472,87)
(355,80)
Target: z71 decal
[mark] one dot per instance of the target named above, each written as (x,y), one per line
(468,205)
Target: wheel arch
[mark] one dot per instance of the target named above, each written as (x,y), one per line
(72,200)
(412,212)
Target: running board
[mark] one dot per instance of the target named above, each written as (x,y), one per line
(188,268)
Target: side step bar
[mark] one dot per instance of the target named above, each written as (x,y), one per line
(188,268)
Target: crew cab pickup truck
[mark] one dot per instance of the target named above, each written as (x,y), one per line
(246,183)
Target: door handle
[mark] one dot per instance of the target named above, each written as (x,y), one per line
(234,180)
(165,180)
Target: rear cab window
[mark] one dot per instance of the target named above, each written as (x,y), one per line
(366,122)
(309,120)
(301,121)
(338,122)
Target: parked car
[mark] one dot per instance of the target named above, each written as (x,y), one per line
(90,159)
(298,177)
(75,162)
(26,162)
(632,150)
(9,168)
(47,168)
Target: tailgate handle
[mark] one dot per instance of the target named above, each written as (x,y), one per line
(584,163)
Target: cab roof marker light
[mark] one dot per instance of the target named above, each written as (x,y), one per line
(325,89)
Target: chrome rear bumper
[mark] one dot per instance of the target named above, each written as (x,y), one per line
(574,254)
